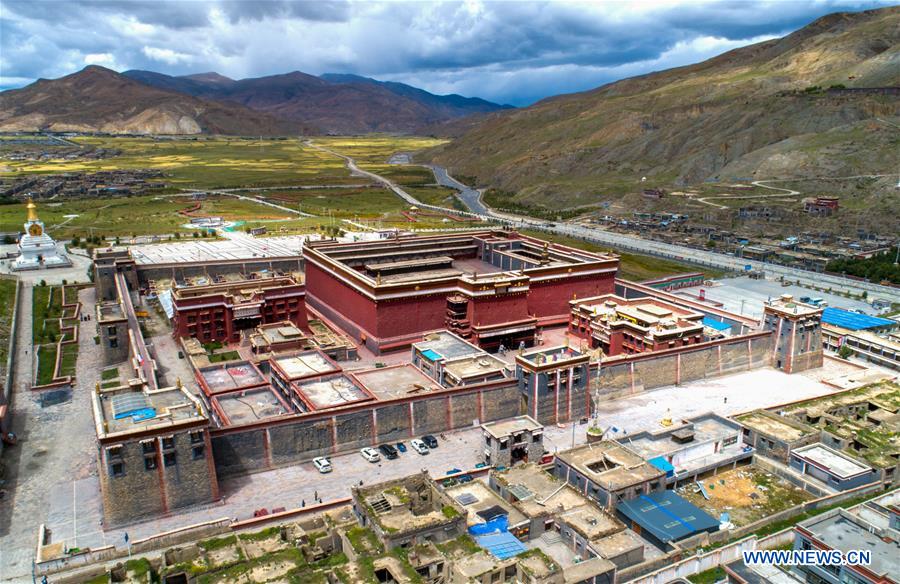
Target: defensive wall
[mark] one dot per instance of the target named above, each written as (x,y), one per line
(298,437)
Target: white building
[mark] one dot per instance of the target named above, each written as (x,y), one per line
(37,249)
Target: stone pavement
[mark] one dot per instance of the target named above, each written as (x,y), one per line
(55,451)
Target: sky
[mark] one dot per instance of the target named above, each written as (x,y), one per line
(514,52)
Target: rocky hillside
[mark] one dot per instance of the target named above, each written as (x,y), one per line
(341,104)
(100,100)
(805,105)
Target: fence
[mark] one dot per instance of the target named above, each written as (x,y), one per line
(6,398)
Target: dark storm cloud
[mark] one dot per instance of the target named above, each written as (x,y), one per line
(514,52)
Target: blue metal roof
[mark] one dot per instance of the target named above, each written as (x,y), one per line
(853,321)
(715,324)
(667,516)
(662,464)
(501,545)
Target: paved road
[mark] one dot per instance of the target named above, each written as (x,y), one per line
(470,197)
(670,251)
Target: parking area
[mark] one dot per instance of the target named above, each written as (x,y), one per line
(746,296)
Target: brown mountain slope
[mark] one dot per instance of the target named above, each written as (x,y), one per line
(100,100)
(343,104)
(743,114)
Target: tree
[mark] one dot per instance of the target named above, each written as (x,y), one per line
(845,352)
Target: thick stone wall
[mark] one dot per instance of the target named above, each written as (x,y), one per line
(243,450)
(149,272)
(623,376)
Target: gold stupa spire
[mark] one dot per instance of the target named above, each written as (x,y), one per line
(32,210)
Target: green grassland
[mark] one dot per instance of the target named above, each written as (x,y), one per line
(204,162)
(373,152)
(7,305)
(634,267)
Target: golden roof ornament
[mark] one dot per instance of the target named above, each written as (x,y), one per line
(32,210)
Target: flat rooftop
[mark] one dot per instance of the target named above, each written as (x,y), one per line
(249,406)
(281,333)
(610,465)
(133,409)
(305,364)
(476,366)
(396,381)
(407,504)
(551,355)
(831,460)
(774,425)
(238,246)
(788,306)
(842,531)
(331,391)
(706,428)
(505,428)
(482,503)
(592,522)
(224,378)
(110,311)
(445,345)
(537,492)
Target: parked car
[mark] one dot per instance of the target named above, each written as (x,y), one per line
(418,446)
(322,464)
(388,451)
(430,441)
(400,446)
(370,454)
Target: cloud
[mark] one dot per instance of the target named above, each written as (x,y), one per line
(167,56)
(512,52)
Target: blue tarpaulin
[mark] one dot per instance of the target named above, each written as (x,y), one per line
(853,321)
(498,524)
(715,324)
(501,545)
(663,465)
(431,355)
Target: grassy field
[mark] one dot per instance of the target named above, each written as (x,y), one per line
(7,297)
(205,162)
(634,267)
(373,152)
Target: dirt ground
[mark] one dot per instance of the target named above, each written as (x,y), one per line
(745,493)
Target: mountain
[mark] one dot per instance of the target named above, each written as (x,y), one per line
(96,99)
(342,104)
(805,105)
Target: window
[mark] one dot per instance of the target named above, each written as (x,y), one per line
(536,438)
(113,343)
(111,331)
(729,441)
(149,462)
(169,459)
(168,443)
(504,444)
(198,452)
(148,446)
(196,436)
(114,452)
(117,469)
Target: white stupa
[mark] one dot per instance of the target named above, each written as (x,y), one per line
(37,249)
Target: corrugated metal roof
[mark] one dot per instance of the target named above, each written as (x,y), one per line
(667,516)
(501,545)
(853,321)
(715,324)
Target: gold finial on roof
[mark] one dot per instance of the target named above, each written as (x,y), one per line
(32,210)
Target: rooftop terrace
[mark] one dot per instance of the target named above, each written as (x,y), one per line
(249,406)
(537,493)
(224,378)
(305,364)
(132,408)
(331,391)
(610,464)
(445,345)
(396,381)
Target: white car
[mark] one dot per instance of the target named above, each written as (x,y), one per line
(370,454)
(419,446)
(322,464)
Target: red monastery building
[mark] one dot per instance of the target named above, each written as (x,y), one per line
(219,312)
(491,287)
